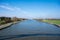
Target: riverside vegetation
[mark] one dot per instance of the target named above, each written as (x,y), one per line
(7,21)
(55,22)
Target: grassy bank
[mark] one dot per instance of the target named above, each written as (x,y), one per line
(4,22)
(3,26)
(52,21)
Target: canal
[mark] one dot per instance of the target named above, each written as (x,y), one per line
(29,28)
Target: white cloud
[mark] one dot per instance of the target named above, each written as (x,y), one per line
(6,7)
(16,10)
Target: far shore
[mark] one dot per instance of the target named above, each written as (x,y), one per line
(55,22)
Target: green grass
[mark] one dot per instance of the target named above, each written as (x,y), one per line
(52,21)
(2,22)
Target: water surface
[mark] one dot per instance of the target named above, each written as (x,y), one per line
(30,28)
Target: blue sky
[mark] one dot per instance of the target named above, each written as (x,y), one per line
(30,8)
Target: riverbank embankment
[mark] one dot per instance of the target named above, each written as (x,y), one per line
(7,25)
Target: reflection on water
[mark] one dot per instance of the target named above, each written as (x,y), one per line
(32,27)
(26,35)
